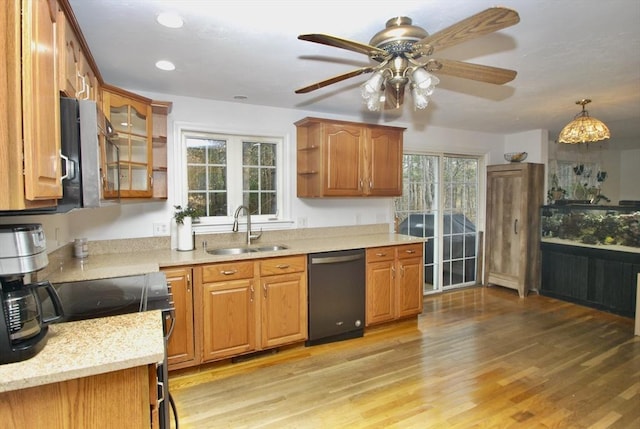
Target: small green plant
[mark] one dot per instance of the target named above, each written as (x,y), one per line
(182,213)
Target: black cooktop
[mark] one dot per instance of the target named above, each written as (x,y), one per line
(89,299)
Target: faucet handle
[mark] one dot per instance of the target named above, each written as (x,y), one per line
(256,236)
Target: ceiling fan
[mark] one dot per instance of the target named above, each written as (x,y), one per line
(404,53)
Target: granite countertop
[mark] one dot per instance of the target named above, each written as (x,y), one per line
(139,262)
(89,347)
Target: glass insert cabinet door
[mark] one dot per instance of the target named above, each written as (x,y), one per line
(132,121)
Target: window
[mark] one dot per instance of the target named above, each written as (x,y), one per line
(226,171)
(577,178)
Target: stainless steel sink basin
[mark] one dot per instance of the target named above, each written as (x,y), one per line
(272,248)
(231,251)
(241,250)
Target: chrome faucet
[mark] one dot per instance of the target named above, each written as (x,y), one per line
(250,236)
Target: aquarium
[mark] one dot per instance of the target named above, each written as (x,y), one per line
(612,227)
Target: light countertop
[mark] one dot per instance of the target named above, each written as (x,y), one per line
(89,347)
(140,262)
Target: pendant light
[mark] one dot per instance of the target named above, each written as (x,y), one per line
(584,128)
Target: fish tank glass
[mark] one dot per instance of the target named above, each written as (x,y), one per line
(611,227)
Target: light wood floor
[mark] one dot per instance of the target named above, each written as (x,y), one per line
(476,358)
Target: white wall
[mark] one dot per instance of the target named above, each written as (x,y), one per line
(136,220)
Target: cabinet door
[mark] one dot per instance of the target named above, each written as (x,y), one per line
(229,324)
(181,347)
(506,256)
(380,293)
(284,309)
(384,162)
(132,120)
(409,287)
(343,160)
(40,110)
(68,51)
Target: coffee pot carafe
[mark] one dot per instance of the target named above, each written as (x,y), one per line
(23,328)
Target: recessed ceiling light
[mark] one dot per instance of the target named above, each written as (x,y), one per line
(170,20)
(165,65)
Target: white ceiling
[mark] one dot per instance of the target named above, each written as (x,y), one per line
(563,50)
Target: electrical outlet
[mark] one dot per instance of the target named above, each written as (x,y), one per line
(160,229)
(302,222)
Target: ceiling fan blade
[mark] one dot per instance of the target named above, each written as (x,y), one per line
(477,72)
(485,22)
(334,79)
(349,45)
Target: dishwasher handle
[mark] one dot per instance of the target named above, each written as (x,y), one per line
(336,259)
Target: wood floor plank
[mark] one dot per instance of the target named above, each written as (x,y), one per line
(475,358)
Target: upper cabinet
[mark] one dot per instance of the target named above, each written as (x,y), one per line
(131,118)
(30,135)
(348,159)
(78,76)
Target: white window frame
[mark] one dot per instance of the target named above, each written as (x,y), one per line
(212,224)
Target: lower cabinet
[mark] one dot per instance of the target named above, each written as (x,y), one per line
(119,399)
(394,282)
(252,305)
(595,277)
(181,351)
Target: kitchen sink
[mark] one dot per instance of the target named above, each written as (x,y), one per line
(241,250)
(231,251)
(272,248)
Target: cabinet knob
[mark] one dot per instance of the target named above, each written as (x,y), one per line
(282,266)
(228,272)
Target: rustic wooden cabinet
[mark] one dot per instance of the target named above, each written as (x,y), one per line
(181,351)
(394,282)
(515,193)
(30,135)
(119,399)
(252,305)
(348,159)
(131,117)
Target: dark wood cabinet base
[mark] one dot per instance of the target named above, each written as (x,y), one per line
(598,278)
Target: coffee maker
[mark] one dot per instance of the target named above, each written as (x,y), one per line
(23,328)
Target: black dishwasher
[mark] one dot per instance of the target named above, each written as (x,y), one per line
(336,295)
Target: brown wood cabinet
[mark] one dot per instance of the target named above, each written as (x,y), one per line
(181,350)
(284,300)
(512,239)
(348,159)
(394,282)
(252,305)
(119,399)
(131,117)
(160,110)
(228,310)
(30,135)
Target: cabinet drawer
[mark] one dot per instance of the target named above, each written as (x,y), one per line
(289,264)
(376,254)
(410,250)
(227,271)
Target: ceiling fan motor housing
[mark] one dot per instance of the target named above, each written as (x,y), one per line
(399,35)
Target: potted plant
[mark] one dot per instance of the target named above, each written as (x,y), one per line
(184,223)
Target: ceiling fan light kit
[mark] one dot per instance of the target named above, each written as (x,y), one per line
(403,52)
(584,128)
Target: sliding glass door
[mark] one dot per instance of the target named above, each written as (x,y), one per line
(439,202)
